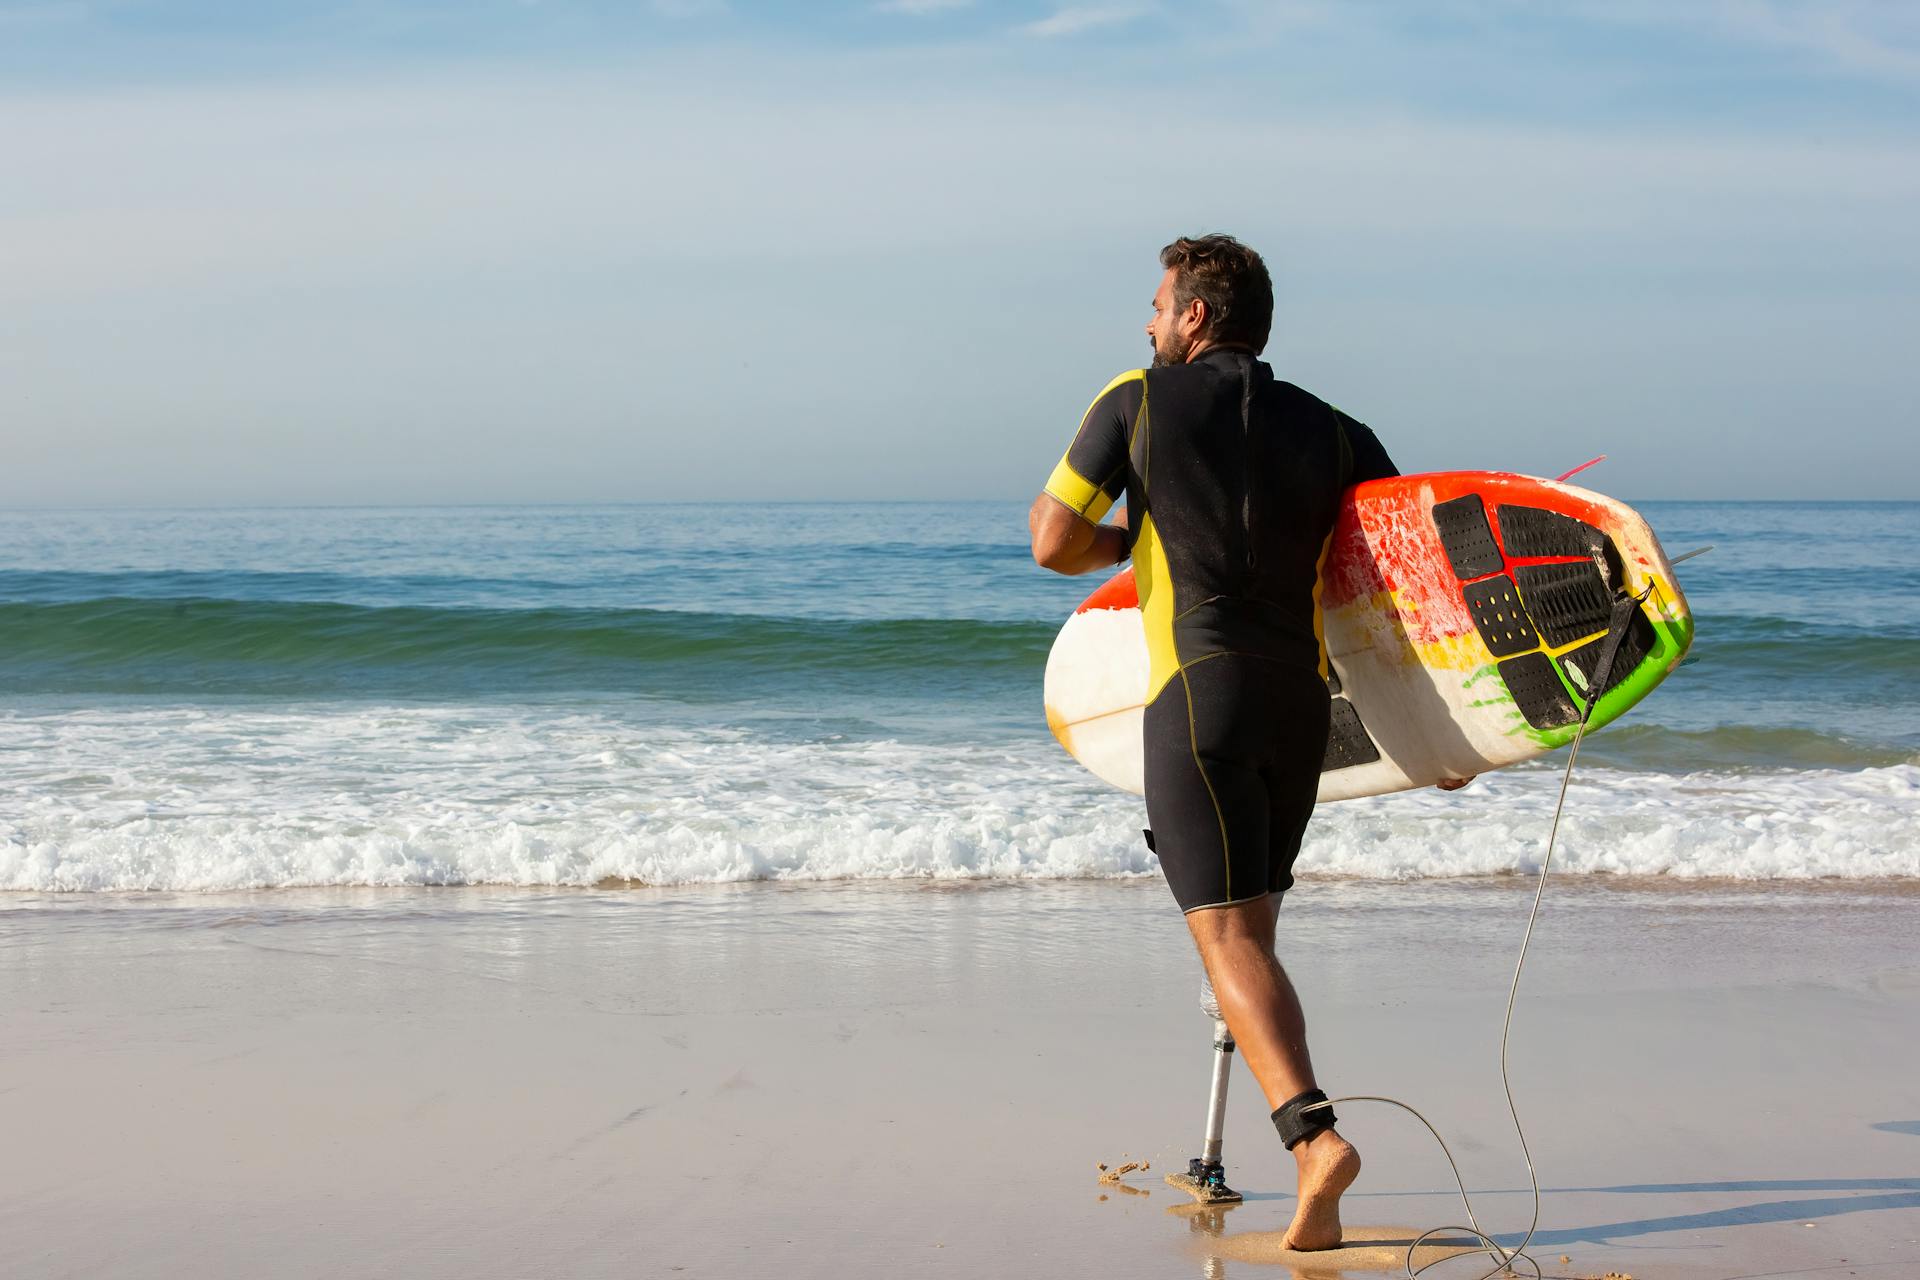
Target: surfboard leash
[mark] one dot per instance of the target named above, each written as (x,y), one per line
(1624,607)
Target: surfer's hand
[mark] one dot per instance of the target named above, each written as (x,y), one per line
(1452,784)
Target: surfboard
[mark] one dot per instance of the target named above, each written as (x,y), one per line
(1463,614)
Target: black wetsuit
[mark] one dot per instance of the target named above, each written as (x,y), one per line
(1232,481)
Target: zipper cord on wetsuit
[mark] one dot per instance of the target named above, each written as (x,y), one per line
(1246,459)
(1624,607)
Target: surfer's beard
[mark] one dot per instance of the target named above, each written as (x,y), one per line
(1175,352)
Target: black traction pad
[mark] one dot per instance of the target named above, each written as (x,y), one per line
(1348,743)
(1533,533)
(1464,532)
(1566,601)
(1635,645)
(1501,620)
(1537,691)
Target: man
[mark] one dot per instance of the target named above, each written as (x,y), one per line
(1232,479)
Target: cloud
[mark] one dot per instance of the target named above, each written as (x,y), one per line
(111,189)
(44,13)
(1865,38)
(921,8)
(1879,39)
(116,192)
(688,8)
(594,284)
(1076,20)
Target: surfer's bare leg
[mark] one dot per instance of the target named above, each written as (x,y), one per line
(1263,1012)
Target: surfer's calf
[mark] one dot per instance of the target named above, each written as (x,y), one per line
(1259,1004)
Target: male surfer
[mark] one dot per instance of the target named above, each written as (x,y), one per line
(1232,480)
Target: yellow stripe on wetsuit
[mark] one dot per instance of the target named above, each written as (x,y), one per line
(1082,496)
(1085,497)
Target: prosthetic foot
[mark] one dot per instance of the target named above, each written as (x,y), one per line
(1206,1183)
(1205,1179)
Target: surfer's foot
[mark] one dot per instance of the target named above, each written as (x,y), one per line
(1328,1165)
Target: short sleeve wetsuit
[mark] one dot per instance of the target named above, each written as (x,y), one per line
(1232,480)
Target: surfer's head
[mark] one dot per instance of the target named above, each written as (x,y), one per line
(1216,292)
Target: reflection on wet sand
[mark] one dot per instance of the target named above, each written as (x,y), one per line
(1362,1250)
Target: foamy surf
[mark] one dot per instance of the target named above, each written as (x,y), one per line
(194,799)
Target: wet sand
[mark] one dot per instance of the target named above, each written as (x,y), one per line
(1363,1249)
(909,1079)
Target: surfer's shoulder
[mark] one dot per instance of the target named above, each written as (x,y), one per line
(1300,396)
(1120,398)
(1302,400)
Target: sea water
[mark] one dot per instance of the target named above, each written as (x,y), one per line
(671,694)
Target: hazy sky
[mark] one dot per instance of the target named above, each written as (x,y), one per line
(526,252)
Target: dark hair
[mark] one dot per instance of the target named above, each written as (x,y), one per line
(1231,279)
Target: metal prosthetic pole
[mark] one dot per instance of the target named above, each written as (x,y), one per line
(1217,1099)
(1205,1179)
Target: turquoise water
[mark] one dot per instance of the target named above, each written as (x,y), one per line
(376,695)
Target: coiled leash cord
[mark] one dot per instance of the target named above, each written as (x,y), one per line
(1624,607)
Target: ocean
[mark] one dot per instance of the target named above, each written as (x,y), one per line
(677,694)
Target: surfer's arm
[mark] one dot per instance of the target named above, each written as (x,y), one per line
(1067,542)
(1370,460)
(1065,520)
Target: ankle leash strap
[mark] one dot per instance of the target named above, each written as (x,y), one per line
(1300,1117)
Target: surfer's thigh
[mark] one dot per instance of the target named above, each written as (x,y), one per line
(1299,711)
(1206,800)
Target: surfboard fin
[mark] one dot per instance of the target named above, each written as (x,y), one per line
(1590,462)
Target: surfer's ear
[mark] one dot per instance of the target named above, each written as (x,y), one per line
(1198,315)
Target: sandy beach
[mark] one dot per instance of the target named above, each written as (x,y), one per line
(544,546)
(911,1079)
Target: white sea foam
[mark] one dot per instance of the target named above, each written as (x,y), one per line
(201,799)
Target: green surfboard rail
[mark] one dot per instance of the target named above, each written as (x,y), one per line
(1672,639)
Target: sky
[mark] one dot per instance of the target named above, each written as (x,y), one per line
(554,251)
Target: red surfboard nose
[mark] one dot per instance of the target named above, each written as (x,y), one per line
(1117,593)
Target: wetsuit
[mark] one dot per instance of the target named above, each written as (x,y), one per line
(1232,480)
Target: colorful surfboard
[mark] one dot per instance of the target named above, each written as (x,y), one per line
(1464,614)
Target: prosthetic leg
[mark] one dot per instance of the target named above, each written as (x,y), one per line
(1205,1179)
